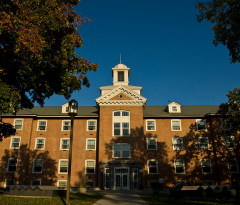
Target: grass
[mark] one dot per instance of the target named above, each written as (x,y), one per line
(158,199)
(86,199)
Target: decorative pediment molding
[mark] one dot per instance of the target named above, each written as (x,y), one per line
(133,98)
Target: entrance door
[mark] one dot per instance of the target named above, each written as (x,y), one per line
(121,179)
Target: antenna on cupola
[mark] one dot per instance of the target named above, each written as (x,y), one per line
(120,59)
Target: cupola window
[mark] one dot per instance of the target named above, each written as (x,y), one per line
(121,76)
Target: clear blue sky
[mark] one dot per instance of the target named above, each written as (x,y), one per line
(170,54)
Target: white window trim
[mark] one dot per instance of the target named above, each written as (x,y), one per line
(22,123)
(8,165)
(156,165)
(62,144)
(36,180)
(121,150)
(181,181)
(59,167)
(172,125)
(184,166)
(171,105)
(154,124)
(95,126)
(199,143)
(86,165)
(43,144)
(63,125)
(12,141)
(181,143)
(198,120)
(61,181)
(226,144)
(87,143)
(151,138)
(5,182)
(208,180)
(121,119)
(38,126)
(33,166)
(210,166)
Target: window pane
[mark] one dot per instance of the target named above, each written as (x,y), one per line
(116,128)
(116,113)
(91,125)
(63,163)
(120,76)
(125,113)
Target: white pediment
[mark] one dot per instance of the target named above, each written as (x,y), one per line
(174,107)
(121,95)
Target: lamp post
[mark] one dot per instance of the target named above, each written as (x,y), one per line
(15,167)
(72,111)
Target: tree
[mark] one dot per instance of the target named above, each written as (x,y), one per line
(230,112)
(225,16)
(37,48)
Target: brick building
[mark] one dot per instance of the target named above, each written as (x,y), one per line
(119,144)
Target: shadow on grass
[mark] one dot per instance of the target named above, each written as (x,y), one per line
(158,199)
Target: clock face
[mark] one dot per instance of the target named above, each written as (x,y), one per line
(121,96)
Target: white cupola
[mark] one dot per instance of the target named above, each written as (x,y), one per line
(120,74)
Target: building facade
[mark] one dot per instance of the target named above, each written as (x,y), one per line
(119,144)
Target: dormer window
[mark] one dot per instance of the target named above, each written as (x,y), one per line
(174,107)
(120,76)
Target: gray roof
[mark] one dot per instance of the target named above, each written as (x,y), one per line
(149,111)
(186,111)
(57,111)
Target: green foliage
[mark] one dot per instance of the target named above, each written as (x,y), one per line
(230,111)
(37,48)
(225,15)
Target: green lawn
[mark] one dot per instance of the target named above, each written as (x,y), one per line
(155,199)
(88,199)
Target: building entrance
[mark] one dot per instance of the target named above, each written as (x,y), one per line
(121,178)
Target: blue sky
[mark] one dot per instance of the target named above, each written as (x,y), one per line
(170,54)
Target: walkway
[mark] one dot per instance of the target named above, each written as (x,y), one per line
(121,198)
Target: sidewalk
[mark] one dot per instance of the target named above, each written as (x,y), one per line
(124,197)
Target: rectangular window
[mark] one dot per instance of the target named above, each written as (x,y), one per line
(66,125)
(121,129)
(40,143)
(9,182)
(65,143)
(37,166)
(174,108)
(180,182)
(121,76)
(203,143)
(92,125)
(35,182)
(151,125)
(125,129)
(91,144)
(12,165)
(116,129)
(177,143)
(206,166)
(179,166)
(62,183)
(152,143)
(18,124)
(152,166)
(63,166)
(42,125)
(121,150)
(90,183)
(208,183)
(201,125)
(176,125)
(15,142)
(90,166)
(229,142)
(232,165)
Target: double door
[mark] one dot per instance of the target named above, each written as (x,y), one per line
(121,178)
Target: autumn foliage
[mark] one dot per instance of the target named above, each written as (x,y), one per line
(37,48)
